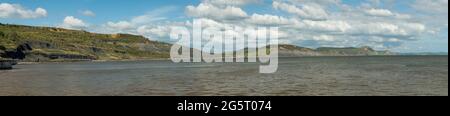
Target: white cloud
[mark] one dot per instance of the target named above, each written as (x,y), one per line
(121,25)
(211,23)
(267,19)
(158,31)
(88,13)
(432,6)
(143,19)
(205,10)
(73,23)
(379,12)
(433,12)
(383,29)
(322,2)
(324,38)
(132,25)
(231,2)
(308,10)
(17,11)
(325,26)
(152,16)
(384,13)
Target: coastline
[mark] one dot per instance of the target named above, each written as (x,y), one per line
(168,59)
(127,60)
(74,61)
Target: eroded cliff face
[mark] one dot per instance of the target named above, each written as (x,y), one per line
(54,44)
(18,53)
(25,52)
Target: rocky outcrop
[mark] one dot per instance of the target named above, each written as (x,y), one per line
(24,52)
(18,53)
(6,64)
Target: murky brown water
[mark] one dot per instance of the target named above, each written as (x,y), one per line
(296,76)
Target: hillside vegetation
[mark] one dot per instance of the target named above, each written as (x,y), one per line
(46,43)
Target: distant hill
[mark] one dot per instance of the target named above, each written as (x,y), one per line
(47,44)
(352,51)
(286,50)
(56,44)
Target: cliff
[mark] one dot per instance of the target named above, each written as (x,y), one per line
(49,44)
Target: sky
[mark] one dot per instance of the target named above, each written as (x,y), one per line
(395,25)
